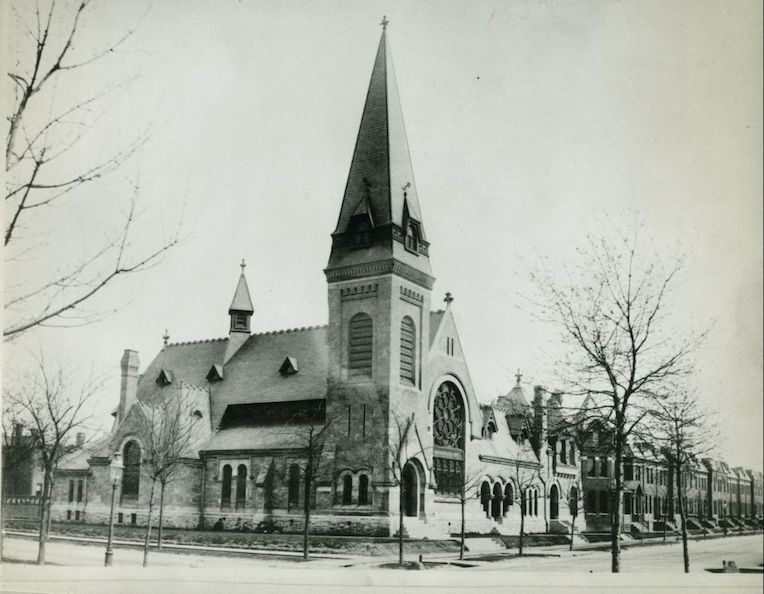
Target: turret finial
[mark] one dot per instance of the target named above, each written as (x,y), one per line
(518,376)
(448,299)
(166,337)
(384,22)
(243,265)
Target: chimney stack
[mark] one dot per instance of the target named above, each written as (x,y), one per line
(80,439)
(128,388)
(540,419)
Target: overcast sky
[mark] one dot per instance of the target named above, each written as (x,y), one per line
(529,124)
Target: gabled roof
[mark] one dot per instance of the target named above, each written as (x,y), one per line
(252,374)
(501,444)
(436,317)
(189,363)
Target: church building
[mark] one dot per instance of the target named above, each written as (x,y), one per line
(377,405)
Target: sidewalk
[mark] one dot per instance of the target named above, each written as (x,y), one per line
(171,547)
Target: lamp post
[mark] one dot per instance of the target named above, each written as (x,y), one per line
(115,475)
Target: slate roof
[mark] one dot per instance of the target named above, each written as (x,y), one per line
(252,374)
(255,438)
(436,317)
(78,460)
(241,299)
(189,362)
(501,444)
(381,165)
(514,401)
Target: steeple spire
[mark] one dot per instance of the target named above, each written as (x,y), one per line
(380,205)
(240,312)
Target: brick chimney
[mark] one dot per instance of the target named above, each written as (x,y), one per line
(128,387)
(540,429)
(80,439)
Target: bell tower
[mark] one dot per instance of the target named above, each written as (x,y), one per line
(379,283)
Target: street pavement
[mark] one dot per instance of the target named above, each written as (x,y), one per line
(79,568)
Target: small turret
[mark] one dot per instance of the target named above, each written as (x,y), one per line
(240,311)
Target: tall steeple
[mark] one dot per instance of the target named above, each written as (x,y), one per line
(380,219)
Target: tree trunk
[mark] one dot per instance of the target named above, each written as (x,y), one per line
(161,516)
(461,543)
(683,519)
(308,482)
(400,522)
(44,517)
(572,531)
(615,507)
(524,501)
(148,526)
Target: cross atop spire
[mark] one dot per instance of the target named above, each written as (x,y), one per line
(243,265)
(166,337)
(518,376)
(384,22)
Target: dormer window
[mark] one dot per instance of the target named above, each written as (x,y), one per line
(289,367)
(490,429)
(412,237)
(165,377)
(215,374)
(360,230)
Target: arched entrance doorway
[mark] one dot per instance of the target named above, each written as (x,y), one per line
(410,490)
(554,503)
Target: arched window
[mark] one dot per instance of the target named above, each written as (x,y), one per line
(485,497)
(554,502)
(509,497)
(360,347)
(408,351)
(347,490)
(535,502)
(241,486)
(448,430)
(131,476)
(225,491)
(496,511)
(363,490)
(293,495)
(410,490)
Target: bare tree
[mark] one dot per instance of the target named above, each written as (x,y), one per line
(575,505)
(54,406)
(683,434)
(399,451)
(171,432)
(310,432)
(526,477)
(468,489)
(614,314)
(43,168)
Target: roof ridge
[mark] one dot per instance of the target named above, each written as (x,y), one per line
(200,341)
(290,330)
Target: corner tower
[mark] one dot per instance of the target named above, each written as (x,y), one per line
(379,283)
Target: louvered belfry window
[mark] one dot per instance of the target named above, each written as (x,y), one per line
(408,351)
(360,346)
